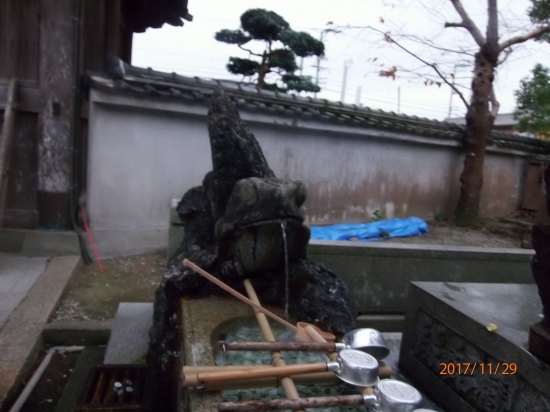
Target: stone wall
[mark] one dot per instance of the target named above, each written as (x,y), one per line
(379,275)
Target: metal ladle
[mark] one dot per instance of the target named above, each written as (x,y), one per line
(369,341)
(389,396)
(351,366)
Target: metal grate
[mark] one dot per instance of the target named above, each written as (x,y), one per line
(117,388)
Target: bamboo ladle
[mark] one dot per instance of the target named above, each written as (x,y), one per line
(299,329)
(370,341)
(351,365)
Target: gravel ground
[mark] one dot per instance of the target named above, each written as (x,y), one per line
(92,295)
(489,234)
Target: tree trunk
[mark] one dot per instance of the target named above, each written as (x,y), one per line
(263,70)
(479,123)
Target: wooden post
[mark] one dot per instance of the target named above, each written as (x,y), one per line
(55,146)
(6,143)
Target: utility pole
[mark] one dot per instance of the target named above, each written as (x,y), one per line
(347,65)
(452,90)
(399,100)
(320,58)
(451,103)
(358,96)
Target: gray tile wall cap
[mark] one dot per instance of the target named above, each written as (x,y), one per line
(173,86)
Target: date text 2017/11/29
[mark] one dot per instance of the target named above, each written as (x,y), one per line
(467,368)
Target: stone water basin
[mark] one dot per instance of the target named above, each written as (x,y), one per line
(206,321)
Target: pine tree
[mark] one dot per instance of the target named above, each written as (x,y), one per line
(282,46)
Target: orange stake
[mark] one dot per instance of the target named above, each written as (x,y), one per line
(90,238)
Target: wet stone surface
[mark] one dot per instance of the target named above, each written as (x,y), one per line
(448,324)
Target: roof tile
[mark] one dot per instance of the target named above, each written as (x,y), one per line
(160,84)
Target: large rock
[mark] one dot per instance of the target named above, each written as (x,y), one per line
(236,154)
(243,222)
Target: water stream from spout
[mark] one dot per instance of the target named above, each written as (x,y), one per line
(285,246)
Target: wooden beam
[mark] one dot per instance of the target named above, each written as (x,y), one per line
(6,142)
(55,144)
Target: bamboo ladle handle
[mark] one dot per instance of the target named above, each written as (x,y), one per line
(276,346)
(268,372)
(239,296)
(316,337)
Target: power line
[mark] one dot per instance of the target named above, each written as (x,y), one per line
(334,83)
(388,95)
(406,102)
(209,70)
(220,73)
(186,72)
(238,22)
(179,54)
(229,76)
(394,103)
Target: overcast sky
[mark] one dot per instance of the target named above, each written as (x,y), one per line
(192,50)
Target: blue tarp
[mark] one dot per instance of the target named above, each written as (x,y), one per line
(382,229)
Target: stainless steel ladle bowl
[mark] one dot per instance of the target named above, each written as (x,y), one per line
(355,367)
(391,395)
(369,341)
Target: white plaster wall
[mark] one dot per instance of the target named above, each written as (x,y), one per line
(349,177)
(138,161)
(144,153)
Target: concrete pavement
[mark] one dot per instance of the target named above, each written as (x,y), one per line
(21,335)
(17,275)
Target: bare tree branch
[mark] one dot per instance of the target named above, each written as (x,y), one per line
(429,43)
(441,76)
(507,53)
(462,25)
(524,38)
(492,26)
(249,51)
(432,65)
(467,23)
(434,78)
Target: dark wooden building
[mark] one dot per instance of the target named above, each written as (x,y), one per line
(47,45)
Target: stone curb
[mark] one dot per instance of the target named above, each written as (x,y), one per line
(21,336)
(39,242)
(328,247)
(77,333)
